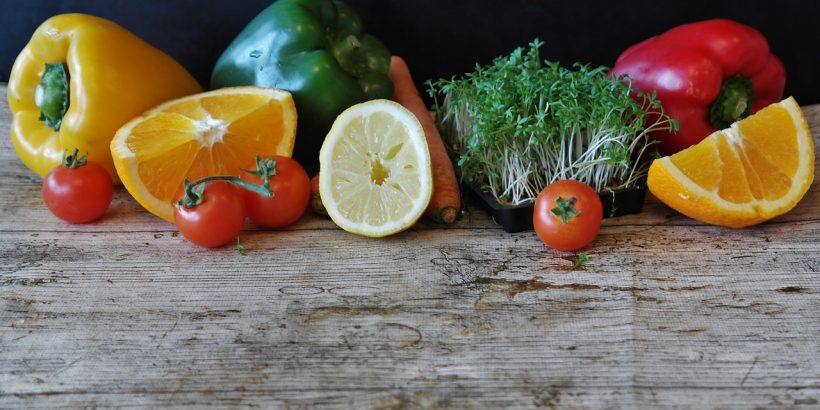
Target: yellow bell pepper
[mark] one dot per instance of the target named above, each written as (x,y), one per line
(78,80)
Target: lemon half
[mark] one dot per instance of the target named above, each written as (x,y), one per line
(376,177)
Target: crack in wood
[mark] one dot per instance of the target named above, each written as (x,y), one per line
(324,312)
(792,289)
(746,376)
(209,314)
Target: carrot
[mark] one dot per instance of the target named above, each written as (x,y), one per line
(445,203)
(316,204)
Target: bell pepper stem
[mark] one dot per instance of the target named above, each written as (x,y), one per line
(733,103)
(347,52)
(51,95)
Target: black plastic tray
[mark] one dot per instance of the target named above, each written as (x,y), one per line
(519,218)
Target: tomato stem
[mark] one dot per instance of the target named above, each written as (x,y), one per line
(565,209)
(74,160)
(264,169)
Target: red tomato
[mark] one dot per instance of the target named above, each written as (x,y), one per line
(217,220)
(581,207)
(291,194)
(78,195)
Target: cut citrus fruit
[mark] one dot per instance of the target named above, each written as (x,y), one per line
(376,178)
(753,171)
(213,133)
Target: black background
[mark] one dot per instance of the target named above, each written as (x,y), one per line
(443,38)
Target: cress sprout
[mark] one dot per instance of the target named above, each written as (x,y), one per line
(519,124)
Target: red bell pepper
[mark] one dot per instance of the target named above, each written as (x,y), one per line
(707,75)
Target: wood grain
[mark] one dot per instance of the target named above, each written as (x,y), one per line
(668,313)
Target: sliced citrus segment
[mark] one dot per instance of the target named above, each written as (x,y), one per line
(217,132)
(757,130)
(757,169)
(375,166)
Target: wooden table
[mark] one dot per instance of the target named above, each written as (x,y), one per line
(669,311)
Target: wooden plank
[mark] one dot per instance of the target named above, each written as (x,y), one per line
(668,312)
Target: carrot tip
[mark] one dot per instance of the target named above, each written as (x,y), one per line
(446,215)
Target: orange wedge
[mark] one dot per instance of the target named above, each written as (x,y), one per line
(213,133)
(755,170)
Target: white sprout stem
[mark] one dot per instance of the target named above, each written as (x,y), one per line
(514,169)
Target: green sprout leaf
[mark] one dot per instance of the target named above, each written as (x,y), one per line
(580,261)
(521,123)
(239,247)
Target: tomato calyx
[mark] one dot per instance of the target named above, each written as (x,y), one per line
(72,161)
(565,209)
(194,190)
(265,168)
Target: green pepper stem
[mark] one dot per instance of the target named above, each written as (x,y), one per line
(51,95)
(348,52)
(734,102)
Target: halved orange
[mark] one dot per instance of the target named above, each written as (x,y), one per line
(755,170)
(213,133)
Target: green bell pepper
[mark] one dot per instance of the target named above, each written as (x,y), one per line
(316,49)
